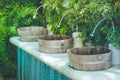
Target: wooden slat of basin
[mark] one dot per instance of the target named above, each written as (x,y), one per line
(31,34)
(90,58)
(55,43)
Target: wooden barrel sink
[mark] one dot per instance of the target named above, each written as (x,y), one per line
(31,33)
(89,59)
(55,43)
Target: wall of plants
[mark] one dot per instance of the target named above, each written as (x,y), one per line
(85,14)
(14,14)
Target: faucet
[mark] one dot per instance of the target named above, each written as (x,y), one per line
(93,32)
(34,16)
(62,19)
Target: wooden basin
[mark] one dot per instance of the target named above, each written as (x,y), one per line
(55,43)
(89,59)
(31,34)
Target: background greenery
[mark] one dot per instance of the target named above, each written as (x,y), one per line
(84,13)
(14,14)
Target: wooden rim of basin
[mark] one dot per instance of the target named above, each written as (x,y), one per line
(54,37)
(30,28)
(89,51)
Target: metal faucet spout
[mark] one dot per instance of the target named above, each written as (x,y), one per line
(61,20)
(92,33)
(34,16)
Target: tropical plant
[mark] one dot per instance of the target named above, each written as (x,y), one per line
(55,11)
(86,14)
(14,14)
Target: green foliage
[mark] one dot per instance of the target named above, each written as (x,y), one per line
(19,15)
(54,10)
(115,37)
(7,53)
(86,14)
(14,14)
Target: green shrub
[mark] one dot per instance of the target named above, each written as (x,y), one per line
(86,14)
(14,14)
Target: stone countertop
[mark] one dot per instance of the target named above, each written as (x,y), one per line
(60,62)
